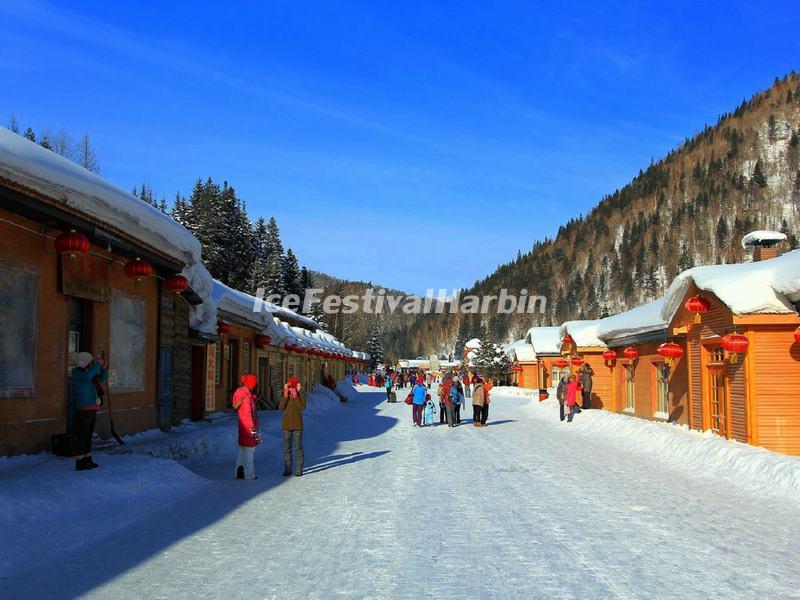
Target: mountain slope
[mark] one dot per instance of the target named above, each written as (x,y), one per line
(692,207)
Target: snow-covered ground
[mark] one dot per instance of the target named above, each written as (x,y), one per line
(606,507)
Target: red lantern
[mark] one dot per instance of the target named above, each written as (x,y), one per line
(223,327)
(631,353)
(176,283)
(609,356)
(698,306)
(562,364)
(288,347)
(797,335)
(567,339)
(670,351)
(73,243)
(263,340)
(138,269)
(735,344)
(577,361)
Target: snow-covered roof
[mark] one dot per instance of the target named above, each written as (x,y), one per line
(520,351)
(770,286)
(584,333)
(545,340)
(762,237)
(241,305)
(638,321)
(285,313)
(31,166)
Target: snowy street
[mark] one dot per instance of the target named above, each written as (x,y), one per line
(528,507)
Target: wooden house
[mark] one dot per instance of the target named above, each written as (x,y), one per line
(85,266)
(579,341)
(741,334)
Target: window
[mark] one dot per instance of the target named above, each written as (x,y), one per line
(245,357)
(662,390)
(127,339)
(19,290)
(630,389)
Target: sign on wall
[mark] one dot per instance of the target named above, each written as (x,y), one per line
(85,276)
(211,370)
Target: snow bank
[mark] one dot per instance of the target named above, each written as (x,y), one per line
(518,392)
(770,286)
(703,455)
(29,165)
(647,318)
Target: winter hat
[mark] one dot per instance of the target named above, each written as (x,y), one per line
(293,382)
(82,359)
(249,380)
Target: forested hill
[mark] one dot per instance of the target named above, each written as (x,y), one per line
(692,207)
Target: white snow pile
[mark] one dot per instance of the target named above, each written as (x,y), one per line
(703,455)
(518,392)
(584,333)
(644,319)
(545,340)
(27,164)
(770,286)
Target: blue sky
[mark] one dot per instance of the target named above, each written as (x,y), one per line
(413,144)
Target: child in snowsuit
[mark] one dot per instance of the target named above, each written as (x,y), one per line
(429,410)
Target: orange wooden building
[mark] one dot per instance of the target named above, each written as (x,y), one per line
(57,302)
(745,388)
(579,339)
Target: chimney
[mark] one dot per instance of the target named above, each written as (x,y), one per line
(763,243)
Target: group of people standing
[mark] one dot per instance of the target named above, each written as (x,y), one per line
(293,403)
(452,395)
(571,388)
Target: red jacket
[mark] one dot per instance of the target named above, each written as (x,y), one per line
(248,416)
(573,387)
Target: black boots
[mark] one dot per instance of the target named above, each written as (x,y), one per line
(287,472)
(240,472)
(86,463)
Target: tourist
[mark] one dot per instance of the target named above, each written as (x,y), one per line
(573,387)
(244,403)
(86,375)
(430,408)
(293,403)
(418,393)
(454,404)
(388,386)
(478,401)
(586,384)
(467,382)
(444,392)
(561,394)
(460,401)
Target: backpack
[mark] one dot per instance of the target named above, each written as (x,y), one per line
(454,395)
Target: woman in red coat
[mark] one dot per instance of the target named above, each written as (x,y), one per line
(573,387)
(245,404)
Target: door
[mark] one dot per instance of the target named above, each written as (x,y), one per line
(165,387)
(264,388)
(199,377)
(233,369)
(79,334)
(716,401)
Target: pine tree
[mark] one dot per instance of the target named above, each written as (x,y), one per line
(273,279)
(29,135)
(759,178)
(291,275)
(376,347)
(45,143)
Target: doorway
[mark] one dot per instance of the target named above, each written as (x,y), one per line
(79,339)
(715,404)
(165,387)
(199,377)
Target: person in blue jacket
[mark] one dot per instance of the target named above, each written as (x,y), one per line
(87,374)
(388,385)
(419,394)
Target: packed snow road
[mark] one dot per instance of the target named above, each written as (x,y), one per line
(526,508)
